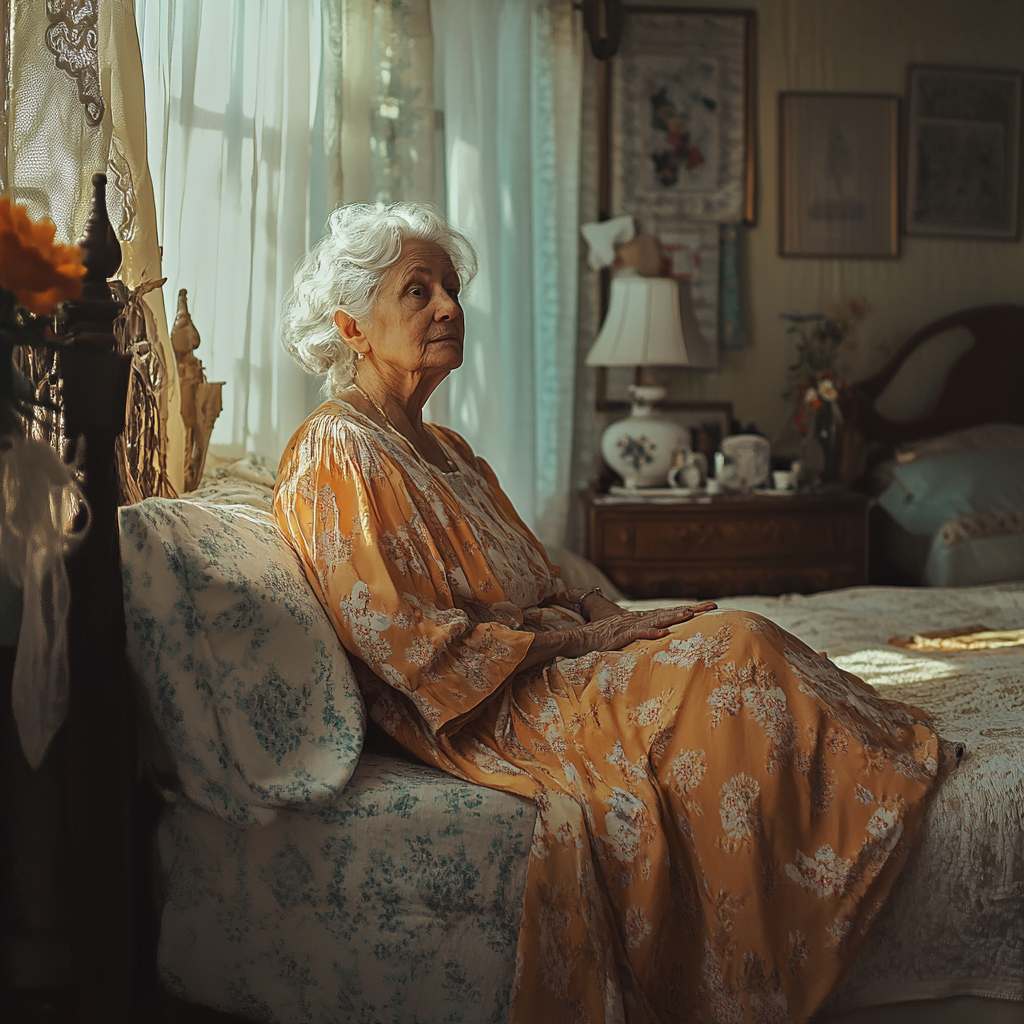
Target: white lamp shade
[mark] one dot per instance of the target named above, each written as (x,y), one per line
(650,322)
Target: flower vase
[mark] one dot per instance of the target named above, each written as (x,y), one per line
(826,429)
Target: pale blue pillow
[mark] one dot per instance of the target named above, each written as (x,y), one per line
(246,679)
(973,562)
(926,493)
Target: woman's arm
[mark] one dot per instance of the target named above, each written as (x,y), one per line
(592,604)
(596,606)
(611,632)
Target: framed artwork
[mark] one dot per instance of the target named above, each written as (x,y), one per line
(838,174)
(963,132)
(680,115)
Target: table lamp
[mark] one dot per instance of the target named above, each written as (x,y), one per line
(650,322)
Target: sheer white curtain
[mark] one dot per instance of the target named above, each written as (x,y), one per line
(250,145)
(508,77)
(379,116)
(231,105)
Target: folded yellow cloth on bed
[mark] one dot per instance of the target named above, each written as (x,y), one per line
(964,638)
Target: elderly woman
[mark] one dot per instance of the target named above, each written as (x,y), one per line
(721,810)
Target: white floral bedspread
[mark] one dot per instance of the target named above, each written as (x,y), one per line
(400,901)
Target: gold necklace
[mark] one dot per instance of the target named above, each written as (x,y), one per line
(452,468)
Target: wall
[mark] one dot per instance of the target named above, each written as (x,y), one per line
(855,46)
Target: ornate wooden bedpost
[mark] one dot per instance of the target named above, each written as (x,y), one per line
(100,733)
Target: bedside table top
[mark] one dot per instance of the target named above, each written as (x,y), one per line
(756,500)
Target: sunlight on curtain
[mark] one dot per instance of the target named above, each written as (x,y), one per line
(249,152)
(231,101)
(508,78)
(379,100)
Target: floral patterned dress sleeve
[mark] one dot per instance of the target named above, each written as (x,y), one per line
(379,566)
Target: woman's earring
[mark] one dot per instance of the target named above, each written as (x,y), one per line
(360,356)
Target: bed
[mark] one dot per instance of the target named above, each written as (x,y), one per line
(949,477)
(262,907)
(423,925)
(375,888)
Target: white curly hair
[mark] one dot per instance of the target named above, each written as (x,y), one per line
(345,270)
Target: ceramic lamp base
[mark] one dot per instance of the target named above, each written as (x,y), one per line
(641,447)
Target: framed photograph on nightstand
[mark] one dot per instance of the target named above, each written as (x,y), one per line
(838,174)
(963,153)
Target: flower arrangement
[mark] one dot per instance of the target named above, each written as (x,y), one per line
(815,385)
(36,274)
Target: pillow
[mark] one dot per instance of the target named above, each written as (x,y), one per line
(986,437)
(972,561)
(926,493)
(247,481)
(581,574)
(245,677)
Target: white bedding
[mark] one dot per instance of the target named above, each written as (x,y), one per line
(954,925)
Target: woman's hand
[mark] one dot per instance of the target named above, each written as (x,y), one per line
(611,633)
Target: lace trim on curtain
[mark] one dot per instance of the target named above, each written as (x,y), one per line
(121,202)
(73,40)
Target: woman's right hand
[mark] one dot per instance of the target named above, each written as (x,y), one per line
(617,631)
(609,634)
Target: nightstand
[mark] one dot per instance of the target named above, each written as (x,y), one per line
(732,544)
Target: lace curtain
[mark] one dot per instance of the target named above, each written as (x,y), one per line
(379,112)
(73,106)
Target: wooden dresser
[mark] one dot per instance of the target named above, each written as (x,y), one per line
(734,544)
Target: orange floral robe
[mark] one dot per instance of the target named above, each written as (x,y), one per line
(721,812)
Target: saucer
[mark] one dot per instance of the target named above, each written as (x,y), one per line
(655,492)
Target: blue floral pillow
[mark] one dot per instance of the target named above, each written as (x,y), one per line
(246,679)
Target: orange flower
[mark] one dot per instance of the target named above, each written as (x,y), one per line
(39,271)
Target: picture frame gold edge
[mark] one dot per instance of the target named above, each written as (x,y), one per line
(675,405)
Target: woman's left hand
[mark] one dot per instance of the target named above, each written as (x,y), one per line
(597,606)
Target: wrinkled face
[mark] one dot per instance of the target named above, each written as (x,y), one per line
(417,322)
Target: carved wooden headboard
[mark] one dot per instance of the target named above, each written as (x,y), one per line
(984,385)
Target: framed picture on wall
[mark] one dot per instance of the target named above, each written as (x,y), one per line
(963,152)
(680,109)
(838,174)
